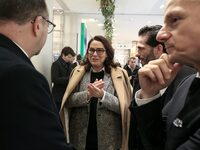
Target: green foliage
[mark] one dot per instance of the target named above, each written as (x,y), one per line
(107,9)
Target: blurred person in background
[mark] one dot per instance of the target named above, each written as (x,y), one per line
(78,61)
(132,69)
(60,72)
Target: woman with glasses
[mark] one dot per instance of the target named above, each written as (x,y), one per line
(94,109)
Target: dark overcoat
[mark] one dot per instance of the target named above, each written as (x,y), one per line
(29,118)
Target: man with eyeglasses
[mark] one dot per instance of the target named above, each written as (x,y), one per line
(51,25)
(29,118)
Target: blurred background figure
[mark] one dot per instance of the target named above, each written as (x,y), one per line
(118,64)
(94,109)
(132,69)
(78,60)
(60,72)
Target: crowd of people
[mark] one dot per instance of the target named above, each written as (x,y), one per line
(95,103)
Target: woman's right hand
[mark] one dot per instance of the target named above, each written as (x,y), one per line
(95,89)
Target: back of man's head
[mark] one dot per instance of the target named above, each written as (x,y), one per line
(79,57)
(22,11)
(151,32)
(68,50)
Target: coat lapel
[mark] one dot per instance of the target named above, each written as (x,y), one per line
(77,73)
(74,80)
(124,93)
(175,105)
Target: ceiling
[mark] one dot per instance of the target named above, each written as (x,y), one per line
(130,16)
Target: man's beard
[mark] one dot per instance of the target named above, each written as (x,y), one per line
(149,57)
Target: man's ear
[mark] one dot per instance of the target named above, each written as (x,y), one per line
(62,55)
(37,25)
(158,50)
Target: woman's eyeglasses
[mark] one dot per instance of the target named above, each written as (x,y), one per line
(99,51)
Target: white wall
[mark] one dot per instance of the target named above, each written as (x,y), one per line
(43,61)
(71,31)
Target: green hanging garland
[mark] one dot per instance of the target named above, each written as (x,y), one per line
(107,9)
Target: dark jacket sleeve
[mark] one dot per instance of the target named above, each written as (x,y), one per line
(59,75)
(32,120)
(150,124)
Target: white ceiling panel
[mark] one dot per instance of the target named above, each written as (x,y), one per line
(130,16)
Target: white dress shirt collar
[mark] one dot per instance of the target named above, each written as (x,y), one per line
(21,49)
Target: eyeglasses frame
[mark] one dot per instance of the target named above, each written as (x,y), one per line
(49,22)
(95,50)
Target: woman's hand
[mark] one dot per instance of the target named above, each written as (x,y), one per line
(96,89)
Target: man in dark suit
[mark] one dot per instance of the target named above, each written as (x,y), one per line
(176,126)
(29,118)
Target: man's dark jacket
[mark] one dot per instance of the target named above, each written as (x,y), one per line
(177,125)
(133,74)
(134,138)
(29,118)
(60,73)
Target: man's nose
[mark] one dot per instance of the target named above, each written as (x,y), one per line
(163,36)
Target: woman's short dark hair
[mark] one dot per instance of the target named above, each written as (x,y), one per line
(22,11)
(109,61)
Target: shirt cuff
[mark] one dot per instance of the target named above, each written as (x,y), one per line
(144,101)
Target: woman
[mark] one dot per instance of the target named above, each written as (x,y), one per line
(94,109)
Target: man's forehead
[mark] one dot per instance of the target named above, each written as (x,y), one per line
(132,58)
(140,45)
(174,7)
(181,2)
(141,41)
